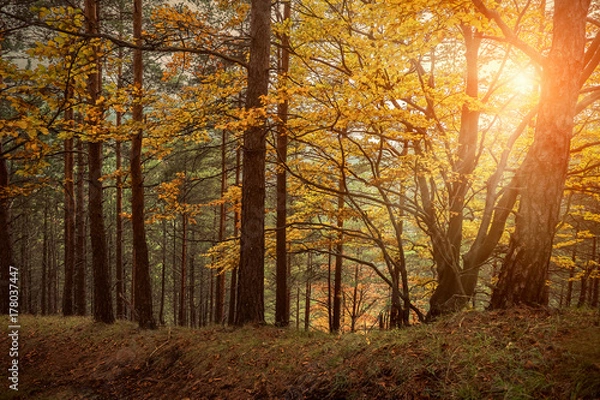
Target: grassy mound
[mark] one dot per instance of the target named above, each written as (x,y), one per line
(517,354)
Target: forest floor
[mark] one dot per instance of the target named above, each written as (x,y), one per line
(517,354)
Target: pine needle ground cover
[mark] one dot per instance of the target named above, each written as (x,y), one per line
(516,354)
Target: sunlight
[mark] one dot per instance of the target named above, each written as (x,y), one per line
(523,82)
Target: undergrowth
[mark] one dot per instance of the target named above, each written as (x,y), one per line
(516,354)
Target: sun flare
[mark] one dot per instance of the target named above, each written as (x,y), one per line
(523,82)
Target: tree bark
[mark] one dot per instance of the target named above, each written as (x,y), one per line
(308,292)
(181,320)
(234,273)
(251,306)
(220,284)
(450,294)
(103,311)
(80,233)
(6,250)
(282,300)
(120,284)
(523,276)
(143,285)
(161,314)
(339,260)
(69,227)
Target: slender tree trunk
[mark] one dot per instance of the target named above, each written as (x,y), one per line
(174,274)
(355,305)
(161,314)
(525,270)
(220,284)
(69,245)
(250,300)
(53,270)
(143,285)
(25,267)
(337,284)
(192,283)
(181,318)
(329,290)
(298,308)
(80,233)
(583,288)
(44,294)
(570,282)
(234,272)
(282,301)
(6,251)
(120,284)
(308,293)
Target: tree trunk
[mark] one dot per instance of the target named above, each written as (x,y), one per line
(191,289)
(282,301)
(234,273)
(337,282)
(44,291)
(308,292)
(103,311)
(161,314)
(80,228)
(181,317)
(6,251)
(120,284)
(450,294)
(69,245)
(143,285)
(220,289)
(174,274)
(251,305)
(525,269)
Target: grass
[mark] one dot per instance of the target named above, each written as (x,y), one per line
(517,354)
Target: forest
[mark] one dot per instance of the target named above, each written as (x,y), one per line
(328,165)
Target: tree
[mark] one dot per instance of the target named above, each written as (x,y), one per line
(250,299)
(103,310)
(143,286)
(541,177)
(282,301)
(69,247)
(6,251)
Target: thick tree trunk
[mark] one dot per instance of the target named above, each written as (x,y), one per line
(103,310)
(143,285)
(524,272)
(282,300)
(251,306)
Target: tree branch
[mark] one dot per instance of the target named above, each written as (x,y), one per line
(509,33)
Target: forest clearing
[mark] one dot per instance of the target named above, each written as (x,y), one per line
(514,354)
